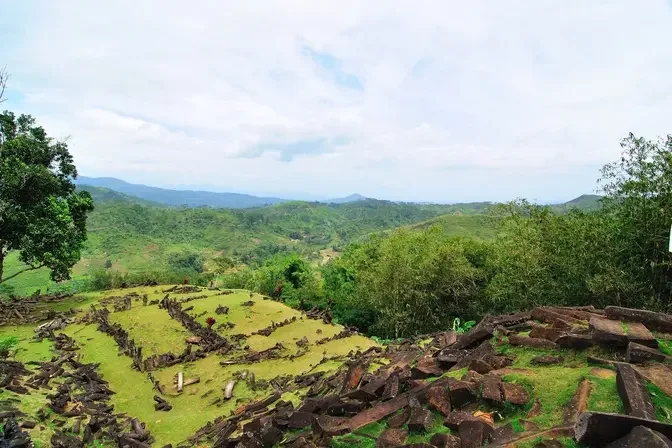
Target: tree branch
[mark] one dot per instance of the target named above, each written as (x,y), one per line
(4,76)
(30,268)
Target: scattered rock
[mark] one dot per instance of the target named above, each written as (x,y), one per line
(445,441)
(620,333)
(644,437)
(421,420)
(475,433)
(480,366)
(546,360)
(636,398)
(392,438)
(515,394)
(438,398)
(598,429)
(653,320)
(637,353)
(517,340)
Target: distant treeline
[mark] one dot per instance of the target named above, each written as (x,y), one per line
(417,281)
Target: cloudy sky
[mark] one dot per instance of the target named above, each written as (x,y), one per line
(425,100)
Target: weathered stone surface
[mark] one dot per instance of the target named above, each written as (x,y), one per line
(391,389)
(330,426)
(445,339)
(598,429)
(448,357)
(633,392)
(525,341)
(354,377)
(515,394)
(461,392)
(480,366)
(644,437)
(300,419)
(658,374)
(475,433)
(472,376)
(546,360)
(345,408)
(619,333)
(421,420)
(498,362)
(575,341)
(638,353)
(652,320)
(474,337)
(454,419)
(370,391)
(491,392)
(445,441)
(427,367)
(392,438)
(438,398)
(551,317)
(400,419)
(549,333)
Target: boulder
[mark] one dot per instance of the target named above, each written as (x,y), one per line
(515,394)
(575,341)
(546,360)
(475,433)
(328,426)
(598,428)
(448,357)
(445,441)
(491,391)
(638,353)
(474,337)
(636,398)
(421,420)
(480,366)
(644,437)
(525,341)
(551,317)
(461,392)
(655,321)
(400,419)
(619,333)
(391,438)
(549,333)
(472,376)
(438,398)
(455,418)
(426,367)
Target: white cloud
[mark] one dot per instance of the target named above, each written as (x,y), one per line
(458,100)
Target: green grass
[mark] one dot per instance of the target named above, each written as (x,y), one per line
(604,396)
(625,328)
(661,402)
(28,349)
(665,346)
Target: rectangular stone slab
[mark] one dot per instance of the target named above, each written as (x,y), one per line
(633,393)
(653,320)
(599,429)
(620,333)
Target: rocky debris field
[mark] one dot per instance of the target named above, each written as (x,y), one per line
(258,374)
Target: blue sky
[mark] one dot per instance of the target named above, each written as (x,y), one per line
(431,101)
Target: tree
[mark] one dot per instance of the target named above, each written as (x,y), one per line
(41,215)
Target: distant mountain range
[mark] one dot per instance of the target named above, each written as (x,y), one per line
(186,198)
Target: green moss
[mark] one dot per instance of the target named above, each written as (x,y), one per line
(604,396)
(665,346)
(625,327)
(352,440)
(373,429)
(661,402)
(28,349)
(517,426)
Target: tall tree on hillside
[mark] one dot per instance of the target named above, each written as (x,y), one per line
(41,215)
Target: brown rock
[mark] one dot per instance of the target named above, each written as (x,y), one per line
(446,339)
(549,333)
(300,420)
(391,438)
(653,320)
(515,394)
(391,389)
(475,433)
(448,357)
(599,429)
(474,337)
(326,425)
(551,317)
(480,366)
(636,398)
(354,377)
(438,398)
(193,340)
(524,341)
(421,420)
(472,376)
(620,333)
(454,419)
(644,437)
(400,419)
(427,367)
(491,392)
(445,441)
(575,341)
(546,360)
(461,392)
(637,353)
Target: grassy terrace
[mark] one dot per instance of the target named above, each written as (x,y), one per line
(154,330)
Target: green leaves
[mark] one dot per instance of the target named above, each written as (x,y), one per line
(41,215)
